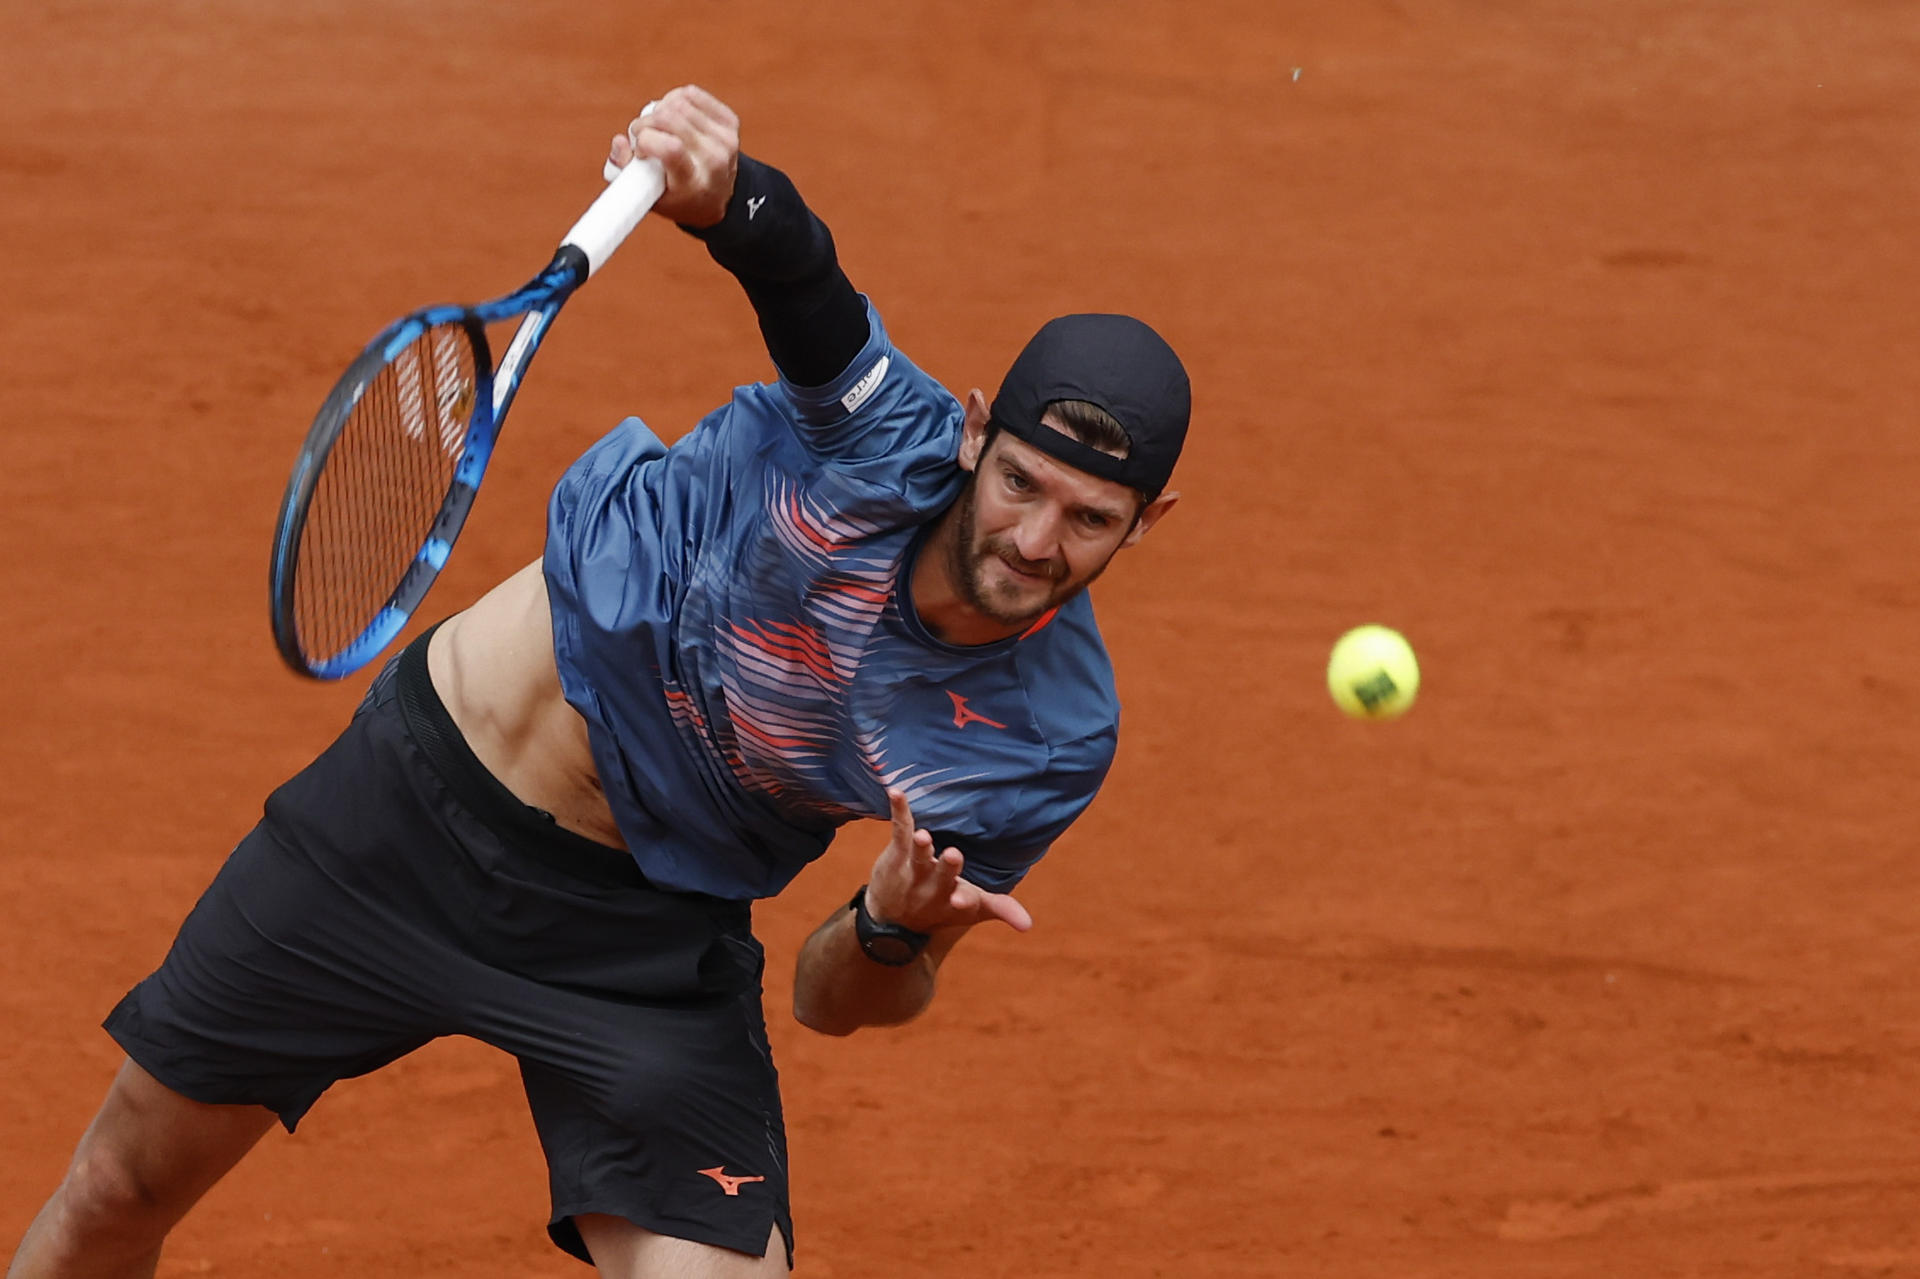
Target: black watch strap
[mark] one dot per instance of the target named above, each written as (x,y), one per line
(894,945)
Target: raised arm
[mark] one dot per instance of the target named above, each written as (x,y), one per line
(754,224)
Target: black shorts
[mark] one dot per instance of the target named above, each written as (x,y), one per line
(395,891)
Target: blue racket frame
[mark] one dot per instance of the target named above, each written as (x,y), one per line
(539,301)
(612,216)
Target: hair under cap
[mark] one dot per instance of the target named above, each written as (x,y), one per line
(1118,363)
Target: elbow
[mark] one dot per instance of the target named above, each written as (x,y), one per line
(840,1018)
(816,1017)
(839,994)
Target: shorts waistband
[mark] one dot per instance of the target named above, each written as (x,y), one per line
(533,832)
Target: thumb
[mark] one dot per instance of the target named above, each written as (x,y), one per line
(1005,908)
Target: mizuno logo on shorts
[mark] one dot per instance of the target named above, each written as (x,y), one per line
(729,1184)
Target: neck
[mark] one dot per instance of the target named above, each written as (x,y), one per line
(939,602)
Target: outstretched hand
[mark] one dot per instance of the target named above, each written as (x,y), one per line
(920,888)
(696,138)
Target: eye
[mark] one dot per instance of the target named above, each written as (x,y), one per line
(1018,482)
(1095,521)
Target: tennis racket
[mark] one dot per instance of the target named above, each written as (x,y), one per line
(392,461)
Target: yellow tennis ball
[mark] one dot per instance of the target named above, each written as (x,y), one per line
(1372,673)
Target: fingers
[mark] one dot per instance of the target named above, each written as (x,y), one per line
(900,813)
(1007,910)
(976,902)
(908,849)
(711,106)
(691,108)
(695,137)
(639,121)
(923,887)
(919,843)
(690,131)
(620,152)
(688,126)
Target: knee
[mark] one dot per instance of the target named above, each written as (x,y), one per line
(105,1197)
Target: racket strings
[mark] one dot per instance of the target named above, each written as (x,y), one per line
(382,489)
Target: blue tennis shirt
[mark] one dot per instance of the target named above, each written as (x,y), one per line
(732,617)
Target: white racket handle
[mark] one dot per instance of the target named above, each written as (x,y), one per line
(610,170)
(612,217)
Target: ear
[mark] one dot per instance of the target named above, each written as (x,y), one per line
(973,430)
(1150,515)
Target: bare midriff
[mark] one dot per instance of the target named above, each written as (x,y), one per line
(493,666)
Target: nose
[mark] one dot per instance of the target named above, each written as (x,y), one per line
(1037,536)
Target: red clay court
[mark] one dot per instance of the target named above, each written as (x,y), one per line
(1575,339)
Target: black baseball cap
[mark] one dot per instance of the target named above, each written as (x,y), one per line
(1117,363)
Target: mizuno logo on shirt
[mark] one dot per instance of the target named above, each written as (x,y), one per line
(753,205)
(962,716)
(866,386)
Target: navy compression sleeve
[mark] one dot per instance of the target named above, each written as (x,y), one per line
(782,254)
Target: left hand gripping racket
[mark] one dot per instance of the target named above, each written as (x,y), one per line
(390,466)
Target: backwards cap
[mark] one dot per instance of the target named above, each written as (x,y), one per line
(1121,365)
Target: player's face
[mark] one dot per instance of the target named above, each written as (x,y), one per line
(1031,531)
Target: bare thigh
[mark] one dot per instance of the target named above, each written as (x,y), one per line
(171,1148)
(622,1250)
(146,1158)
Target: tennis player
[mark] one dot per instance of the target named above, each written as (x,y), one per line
(844,594)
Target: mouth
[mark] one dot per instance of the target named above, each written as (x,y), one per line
(1044,574)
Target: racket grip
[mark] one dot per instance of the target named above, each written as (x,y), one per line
(610,170)
(612,217)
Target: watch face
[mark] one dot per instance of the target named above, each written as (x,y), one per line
(895,952)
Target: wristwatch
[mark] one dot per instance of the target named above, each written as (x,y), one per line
(894,945)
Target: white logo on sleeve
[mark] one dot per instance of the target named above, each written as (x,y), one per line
(753,205)
(866,386)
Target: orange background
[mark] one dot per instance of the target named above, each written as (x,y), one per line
(1573,338)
